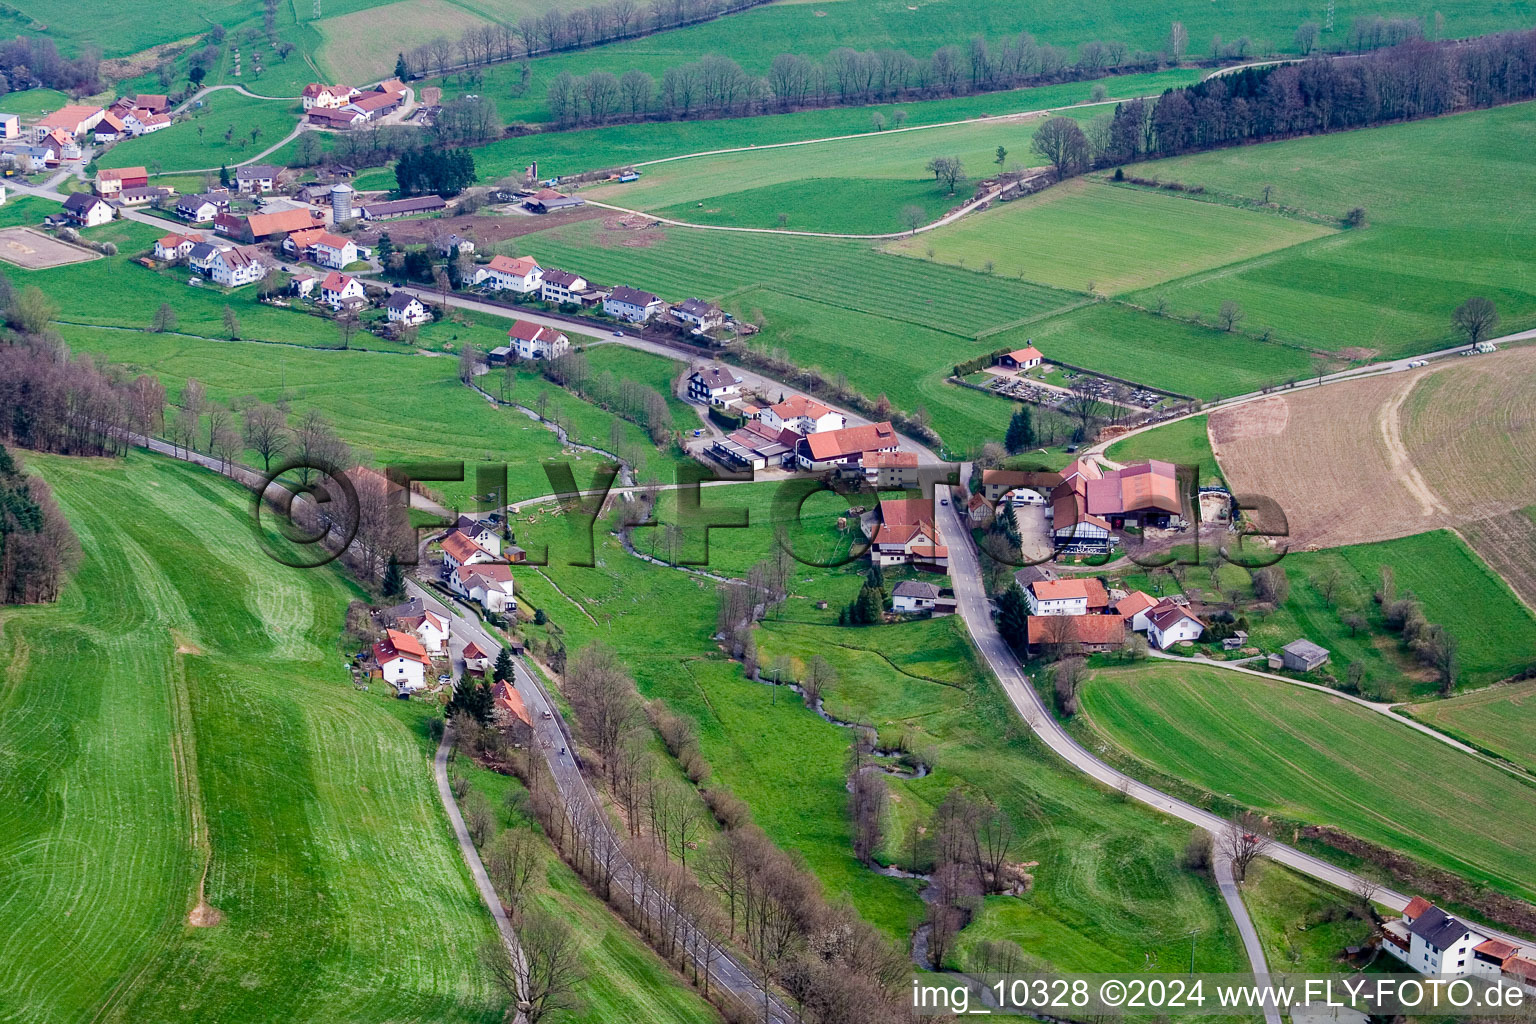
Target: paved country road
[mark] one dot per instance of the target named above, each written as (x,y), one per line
(975,609)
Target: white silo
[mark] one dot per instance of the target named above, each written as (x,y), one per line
(341,202)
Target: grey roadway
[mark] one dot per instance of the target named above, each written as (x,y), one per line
(975,610)
(1227,883)
(553,740)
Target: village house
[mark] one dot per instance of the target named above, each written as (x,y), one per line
(303,285)
(201,256)
(112,181)
(1133,609)
(334,251)
(325,96)
(171,248)
(238,266)
(1020,359)
(1086,634)
(10,126)
(459,550)
(155,103)
(483,535)
(802,415)
(253,179)
(911,597)
(341,291)
(196,208)
(1169,623)
(521,274)
(109,129)
(402,661)
(489,584)
(533,341)
(698,314)
(632,304)
(141,195)
(886,471)
(908,535)
(509,704)
(1058,597)
(475,660)
(562,287)
(845,448)
(382,99)
(430,628)
(141,122)
(1431,941)
(995,483)
(86,210)
(714,385)
(405,308)
(452,244)
(401,207)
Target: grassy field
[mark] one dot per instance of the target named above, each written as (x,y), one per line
(1430,243)
(199,142)
(1501,719)
(1088,236)
(755,37)
(1185,442)
(1108,894)
(360,46)
(1304,925)
(182,716)
(394,408)
(33,103)
(1317,759)
(1163,353)
(653,371)
(568,152)
(855,185)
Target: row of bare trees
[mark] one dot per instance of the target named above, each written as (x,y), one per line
(629,399)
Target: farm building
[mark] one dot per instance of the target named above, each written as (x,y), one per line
(1089,634)
(324,117)
(845,448)
(997,482)
(262,226)
(1303,656)
(757,446)
(547,200)
(908,535)
(325,96)
(401,207)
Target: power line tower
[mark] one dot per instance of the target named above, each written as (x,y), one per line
(1327,24)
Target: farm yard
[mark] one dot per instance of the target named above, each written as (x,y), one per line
(1499,719)
(137,713)
(1417,449)
(1437,195)
(1092,237)
(1311,758)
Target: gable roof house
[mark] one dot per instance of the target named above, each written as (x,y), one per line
(109,128)
(631,304)
(340,291)
(1144,494)
(1057,597)
(405,308)
(402,661)
(908,535)
(891,470)
(698,314)
(72,119)
(1169,623)
(534,341)
(1133,609)
(911,596)
(263,226)
(238,266)
(201,256)
(997,482)
(141,122)
(142,194)
(713,385)
(155,103)
(326,96)
(334,251)
(176,246)
(113,180)
(489,583)
(803,415)
(1020,359)
(430,628)
(561,286)
(1431,941)
(475,660)
(459,550)
(253,178)
(521,274)
(193,207)
(830,449)
(87,210)
(1089,634)
(484,535)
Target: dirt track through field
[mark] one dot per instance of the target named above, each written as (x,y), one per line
(1449,445)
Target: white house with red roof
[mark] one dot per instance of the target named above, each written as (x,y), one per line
(459,550)
(113,180)
(171,248)
(402,661)
(802,415)
(521,274)
(238,266)
(1020,358)
(1057,597)
(908,535)
(430,628)
(328,97)
(1169,623)
(830,449)
(338,290)
(476,660)
(488,583)
(534,341)
(1133,608)
(333,251)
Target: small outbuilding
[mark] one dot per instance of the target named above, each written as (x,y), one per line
(1303,656)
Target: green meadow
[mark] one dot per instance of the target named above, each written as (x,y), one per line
(220,132)
(1318,759)
(1499,719)
(181,723)
(1438,195)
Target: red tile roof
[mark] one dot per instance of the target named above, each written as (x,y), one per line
(1083,629)
(1024,355)
(119,173)
(890,460)
(1167,613)
(796,406)
(1136,601)
(521,266)
(461,549)
(838,444)
(1498,949)
(335,282)
(1415,907)
(1059,590)
(507,697)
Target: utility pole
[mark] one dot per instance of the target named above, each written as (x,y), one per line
(1192,950)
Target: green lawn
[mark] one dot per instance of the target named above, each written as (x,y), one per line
(1089,236)
(1501,719)
(182,715)
(840,205)
(33,103)
(1318,759)
(569,152)
(646,368)
(1437,195)
(199,142)
(1303,924)
(1185,442)
(1107,893)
